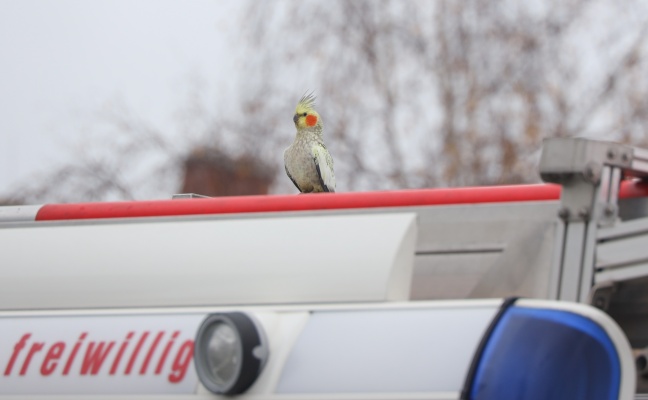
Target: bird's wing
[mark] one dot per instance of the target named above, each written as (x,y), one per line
(324,165)
(291,178)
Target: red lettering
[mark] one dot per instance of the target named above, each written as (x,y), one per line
(36,347)
(165,353)
(135,352)
(150,352)
(17,348)
(180,364)
(113,369)
(94,360)
(53,354)
(70,360)
(97,352)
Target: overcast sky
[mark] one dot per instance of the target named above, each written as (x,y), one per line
(61,61)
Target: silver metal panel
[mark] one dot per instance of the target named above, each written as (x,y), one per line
(449,276)
(607,208)
(623,274)
(640,167)
(640,154)
(640,161)
(625,229)
(587,274)
(488,250)
(622,252)
(483,226)
(558,252)
(570,278)
(579,156)
(524,267)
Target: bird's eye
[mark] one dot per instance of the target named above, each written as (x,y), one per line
(305,114)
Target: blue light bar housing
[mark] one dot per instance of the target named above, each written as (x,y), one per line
(536,353)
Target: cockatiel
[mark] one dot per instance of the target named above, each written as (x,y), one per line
(308,163)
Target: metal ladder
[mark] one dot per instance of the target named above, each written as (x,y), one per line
(593,245)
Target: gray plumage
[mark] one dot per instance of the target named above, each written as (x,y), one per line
(307,161)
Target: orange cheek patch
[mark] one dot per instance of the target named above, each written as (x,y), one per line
(311,120)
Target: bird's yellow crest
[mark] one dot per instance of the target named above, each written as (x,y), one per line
(305,114)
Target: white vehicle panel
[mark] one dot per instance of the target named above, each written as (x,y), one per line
(348,258)
(386,351)
(134,354)
(394,350)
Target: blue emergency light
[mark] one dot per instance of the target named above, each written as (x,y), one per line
(540,354)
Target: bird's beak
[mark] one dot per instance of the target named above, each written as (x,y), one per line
(295,118)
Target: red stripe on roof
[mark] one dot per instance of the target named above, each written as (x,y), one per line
(319,201)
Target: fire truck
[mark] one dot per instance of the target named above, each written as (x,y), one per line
(504,292)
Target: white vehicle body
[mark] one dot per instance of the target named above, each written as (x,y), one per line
(394,295)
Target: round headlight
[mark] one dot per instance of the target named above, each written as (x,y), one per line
(230,352)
